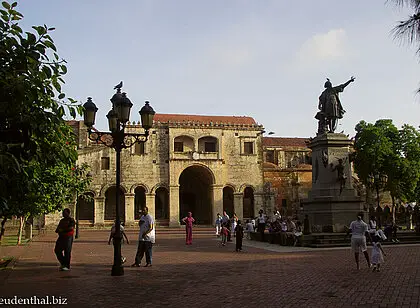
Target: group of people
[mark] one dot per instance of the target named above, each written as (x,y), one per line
(65,231)
(225,226)
(360,231)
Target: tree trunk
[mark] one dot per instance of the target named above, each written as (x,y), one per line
(21,222)
(3,222)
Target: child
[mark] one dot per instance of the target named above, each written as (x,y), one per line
(225,233)
(239,230)
(377,252)
(123,235)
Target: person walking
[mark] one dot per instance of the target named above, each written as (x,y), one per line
(239,231)
(359,229)
(123,235)
(225,233)
(234,222)
(64,243)
(218,224)
(189,220)
(146,238)
(261,224)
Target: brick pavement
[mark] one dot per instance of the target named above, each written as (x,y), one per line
(208,275)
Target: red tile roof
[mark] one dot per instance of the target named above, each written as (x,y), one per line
(203,119)
(280,141)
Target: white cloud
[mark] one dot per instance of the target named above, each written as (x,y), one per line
(324,47)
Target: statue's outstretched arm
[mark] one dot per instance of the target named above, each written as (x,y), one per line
(342,86)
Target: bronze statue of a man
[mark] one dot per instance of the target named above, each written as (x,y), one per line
(330,106)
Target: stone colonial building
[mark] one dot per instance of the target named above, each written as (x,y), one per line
(287,167)
(202,164)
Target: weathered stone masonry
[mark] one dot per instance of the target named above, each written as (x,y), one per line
(203,164)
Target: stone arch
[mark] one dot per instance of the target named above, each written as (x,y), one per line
(231,186)
(110,210)
(209,144)
(188,143)
(139,199)
(228,200)
(213,178)
(243,186)
(162,203)
(248,202)
(159,185)
(196,193)
(105,187)
(133,187)
(85,206)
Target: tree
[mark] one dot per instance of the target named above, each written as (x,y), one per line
(37,147)
(381,148)
(409,30)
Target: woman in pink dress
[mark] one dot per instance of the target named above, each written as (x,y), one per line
(188,228)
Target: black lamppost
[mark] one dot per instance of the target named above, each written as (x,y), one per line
(118,116)
(378,180)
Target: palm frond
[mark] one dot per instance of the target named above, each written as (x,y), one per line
(408,30)
(415,4)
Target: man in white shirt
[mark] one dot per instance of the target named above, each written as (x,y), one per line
(358,230)
(146,238)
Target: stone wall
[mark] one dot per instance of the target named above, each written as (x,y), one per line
(161,166)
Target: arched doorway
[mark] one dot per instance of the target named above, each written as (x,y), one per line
(195,194)
(248,203)
(228,201)
(86,206)
(139,201)
(162,203)
(110,204)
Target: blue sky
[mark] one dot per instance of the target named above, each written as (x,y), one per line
(267,59)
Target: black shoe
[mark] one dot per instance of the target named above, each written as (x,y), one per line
(135,265)
(148,264)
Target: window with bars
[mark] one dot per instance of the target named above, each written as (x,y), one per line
(178,146)
(249,147)
(210,147)
(104,163)
(139,148)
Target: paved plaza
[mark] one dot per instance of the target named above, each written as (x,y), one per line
(209,275)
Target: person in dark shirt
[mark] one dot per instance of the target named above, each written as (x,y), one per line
(239,232)
(64,243)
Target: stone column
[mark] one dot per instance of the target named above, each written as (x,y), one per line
(129,209)
(217,201)
(174,205)
(99,211)
(150,203)
(238,205)
(259,203)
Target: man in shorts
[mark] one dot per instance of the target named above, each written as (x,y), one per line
(359,229)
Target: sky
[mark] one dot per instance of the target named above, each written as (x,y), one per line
(268,59)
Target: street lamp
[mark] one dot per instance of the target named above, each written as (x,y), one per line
(118,116)
(378,180)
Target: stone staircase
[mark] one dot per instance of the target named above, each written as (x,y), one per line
(327,240)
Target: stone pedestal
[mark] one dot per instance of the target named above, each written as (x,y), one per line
(333,202)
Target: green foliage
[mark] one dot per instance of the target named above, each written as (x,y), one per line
(37,147)
(382,148)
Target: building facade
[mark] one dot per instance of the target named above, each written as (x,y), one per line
(287,167)
(202,164)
